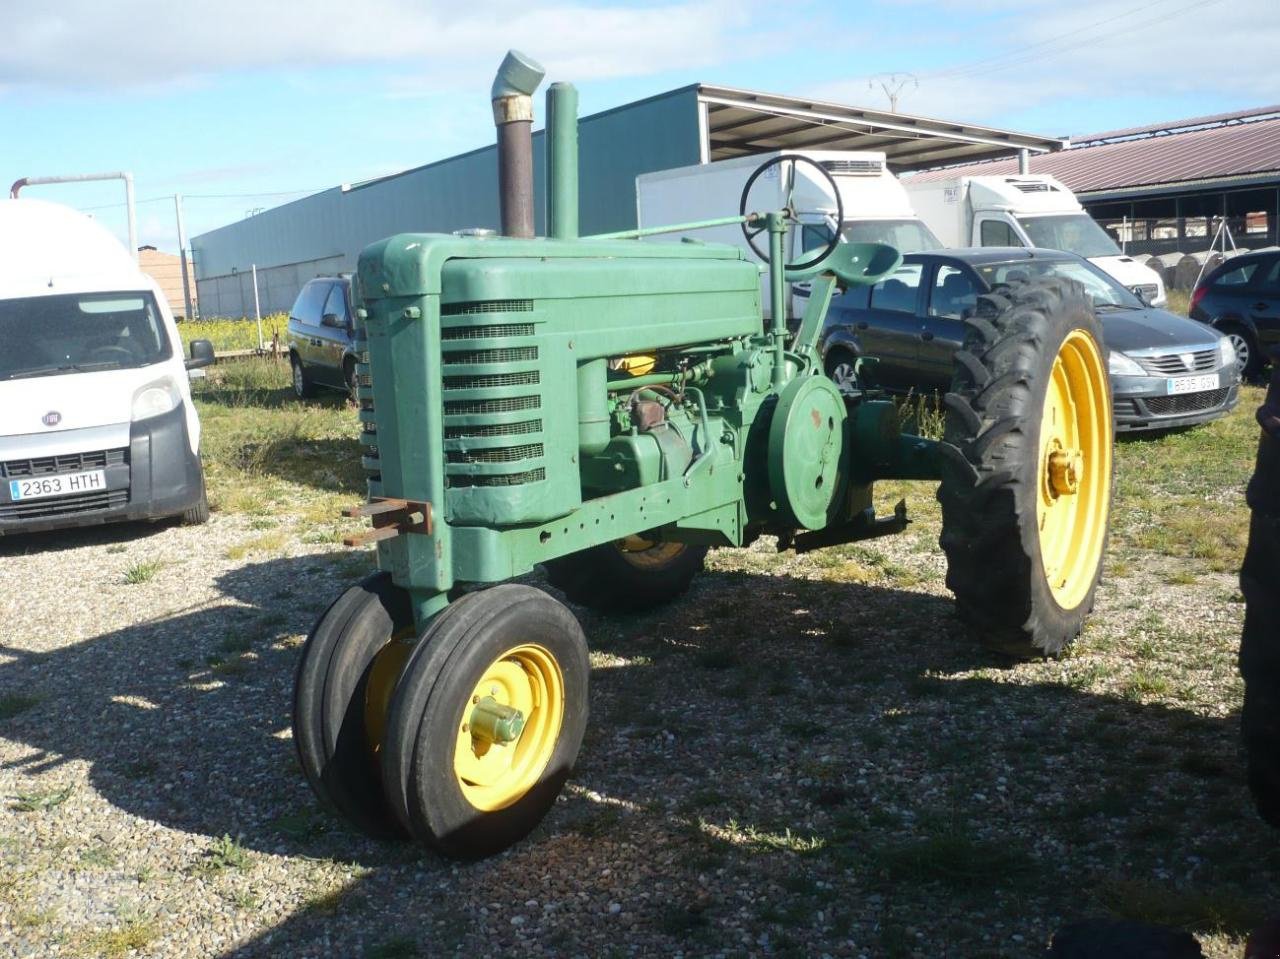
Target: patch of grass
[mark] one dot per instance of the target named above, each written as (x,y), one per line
(224,853)
(325,903)
(117,548)
(1143,683)
(268,543)
(301,825)
(42,801)
(100,857)
(13,704)
(143,572)
(117,943)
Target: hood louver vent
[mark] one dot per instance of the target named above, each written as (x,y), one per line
(1031,187)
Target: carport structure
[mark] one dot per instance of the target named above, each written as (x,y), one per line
(700,123)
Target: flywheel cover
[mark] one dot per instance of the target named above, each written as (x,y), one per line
(806,445)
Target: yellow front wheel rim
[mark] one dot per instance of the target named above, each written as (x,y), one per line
(384,673)
(493,775)
(1074,475)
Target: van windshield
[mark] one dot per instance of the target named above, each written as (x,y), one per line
(1076,233)
(80,333)
(1102,288)
(905,236)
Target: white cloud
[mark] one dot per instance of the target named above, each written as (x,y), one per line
(138,43)
(1041,52)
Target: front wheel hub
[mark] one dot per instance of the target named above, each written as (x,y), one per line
(495,722)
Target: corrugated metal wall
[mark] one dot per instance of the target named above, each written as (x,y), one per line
(325,233)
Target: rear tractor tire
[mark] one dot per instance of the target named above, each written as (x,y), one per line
(486,721)
(1027,474)
(631,574)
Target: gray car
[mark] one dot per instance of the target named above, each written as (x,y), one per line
(321,337)
(1166,370)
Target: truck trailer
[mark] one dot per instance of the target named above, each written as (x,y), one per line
(1025,210)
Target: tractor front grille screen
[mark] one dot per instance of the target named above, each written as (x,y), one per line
(509,479)
(519,354)
(488,365)
(486,306)
(510,404)
(452,333)
(498,429)
(505,454)
(491,380)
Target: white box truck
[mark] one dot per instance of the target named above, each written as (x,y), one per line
(96,419)
(876,207)
(1025,210)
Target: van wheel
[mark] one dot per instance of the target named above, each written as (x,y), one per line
(303,388)
(198,514)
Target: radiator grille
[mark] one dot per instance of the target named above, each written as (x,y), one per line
(491,380)
(1171,364)
(486,306)
(63,505)
(518,354)
(67,463)
(487,373)
(853,166)
(498,429)
(1187,402)
(508,479)
(510,404)
(504,454)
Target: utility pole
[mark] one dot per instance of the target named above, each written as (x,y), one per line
(182,256)
(892,84)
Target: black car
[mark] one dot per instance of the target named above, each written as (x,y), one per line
(321,336)
(1166,370)
(1242,299)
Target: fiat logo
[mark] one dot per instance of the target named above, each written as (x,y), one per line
(52,418)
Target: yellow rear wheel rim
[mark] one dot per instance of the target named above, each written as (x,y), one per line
(1074,475)
(495,775)
(648,554)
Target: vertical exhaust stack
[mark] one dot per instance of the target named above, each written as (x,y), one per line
(512,95)
(562,161)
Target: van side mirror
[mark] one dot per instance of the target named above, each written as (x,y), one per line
(201,355)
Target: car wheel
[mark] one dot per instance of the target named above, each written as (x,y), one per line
(302,385)
(1248,359)
(841,371)
(349,377)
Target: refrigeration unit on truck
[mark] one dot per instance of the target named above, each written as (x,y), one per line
(1025,210)
(96,419)
(830,193)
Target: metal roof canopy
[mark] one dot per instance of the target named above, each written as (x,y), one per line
(741,122)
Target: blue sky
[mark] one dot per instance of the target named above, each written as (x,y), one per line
(245,104)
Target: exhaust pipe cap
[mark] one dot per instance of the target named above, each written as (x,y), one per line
(518,76)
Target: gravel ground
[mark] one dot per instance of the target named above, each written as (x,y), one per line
(805,757)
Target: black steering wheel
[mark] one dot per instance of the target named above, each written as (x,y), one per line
(792,159)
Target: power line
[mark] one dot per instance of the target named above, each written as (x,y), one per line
(977,65)
(1023,56)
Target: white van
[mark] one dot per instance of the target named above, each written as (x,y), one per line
(96,419)
(1028,209)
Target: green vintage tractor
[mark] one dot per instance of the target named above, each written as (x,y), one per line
(610,409)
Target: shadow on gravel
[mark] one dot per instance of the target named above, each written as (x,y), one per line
(29,544)
(768,758)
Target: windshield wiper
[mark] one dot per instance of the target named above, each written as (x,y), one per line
(1110,306)
(65,368)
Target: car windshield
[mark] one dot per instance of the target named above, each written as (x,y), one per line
(1076,233)
(1104,291)
(905,236)
(80,333)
